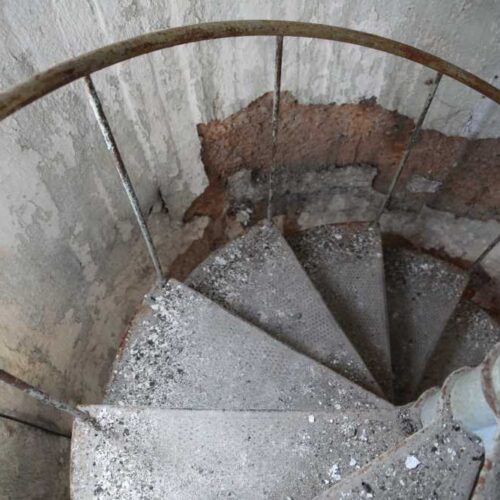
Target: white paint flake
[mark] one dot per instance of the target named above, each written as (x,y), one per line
(363,436)
(334,473)
(220,261)
(412,462)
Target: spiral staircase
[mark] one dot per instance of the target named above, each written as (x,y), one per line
(268,374)
(330,363)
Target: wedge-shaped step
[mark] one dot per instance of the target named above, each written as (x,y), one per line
(422,293)
(185,351)
(189,454)
(469,335)
(440,461)
(259,278)
(345,264)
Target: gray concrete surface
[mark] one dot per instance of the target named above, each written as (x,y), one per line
(184,351)
(34,464)
(469,335)
(440,461)
(259,278)
(345,263)
(422,293)
(187,455)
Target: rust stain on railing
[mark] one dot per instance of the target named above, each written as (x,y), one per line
(47,81)
(33,392)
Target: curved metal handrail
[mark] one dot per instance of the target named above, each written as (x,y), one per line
(47,81)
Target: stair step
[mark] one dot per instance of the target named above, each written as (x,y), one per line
(440,461)
(422,293)
(345,264)
(258,277)
(185,351)
(188,454)
(469,335)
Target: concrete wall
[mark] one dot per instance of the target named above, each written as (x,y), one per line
(34,464)
(71,266)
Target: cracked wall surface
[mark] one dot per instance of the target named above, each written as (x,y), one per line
(72,267)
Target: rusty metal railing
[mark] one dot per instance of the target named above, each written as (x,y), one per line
(44,398)
(409,147)
(109,139)
(84,65)
(278,62)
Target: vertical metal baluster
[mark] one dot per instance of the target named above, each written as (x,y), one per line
(37,394)
(484,253)
(275,119)
(409,147)
(122,172)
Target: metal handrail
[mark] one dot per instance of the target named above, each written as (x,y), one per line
(109,139)
(84,65)
(278,62)
(47,81)
(42,397)
(411,143)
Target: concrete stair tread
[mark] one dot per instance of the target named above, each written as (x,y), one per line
(469,335)
(187,454)
(345,263)
(258,277)
(439,461)
(422,294)
(185,351)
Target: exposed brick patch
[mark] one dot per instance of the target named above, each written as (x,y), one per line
(364,133)
(309,135)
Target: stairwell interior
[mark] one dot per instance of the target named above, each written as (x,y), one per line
(284,286)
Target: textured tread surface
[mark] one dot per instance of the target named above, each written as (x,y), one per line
(185,351)
(440,461)
(422,293)
(345,263)
(469,335)
(258,277)
(188,455)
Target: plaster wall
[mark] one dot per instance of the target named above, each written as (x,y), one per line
(71,265)
(34,464)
